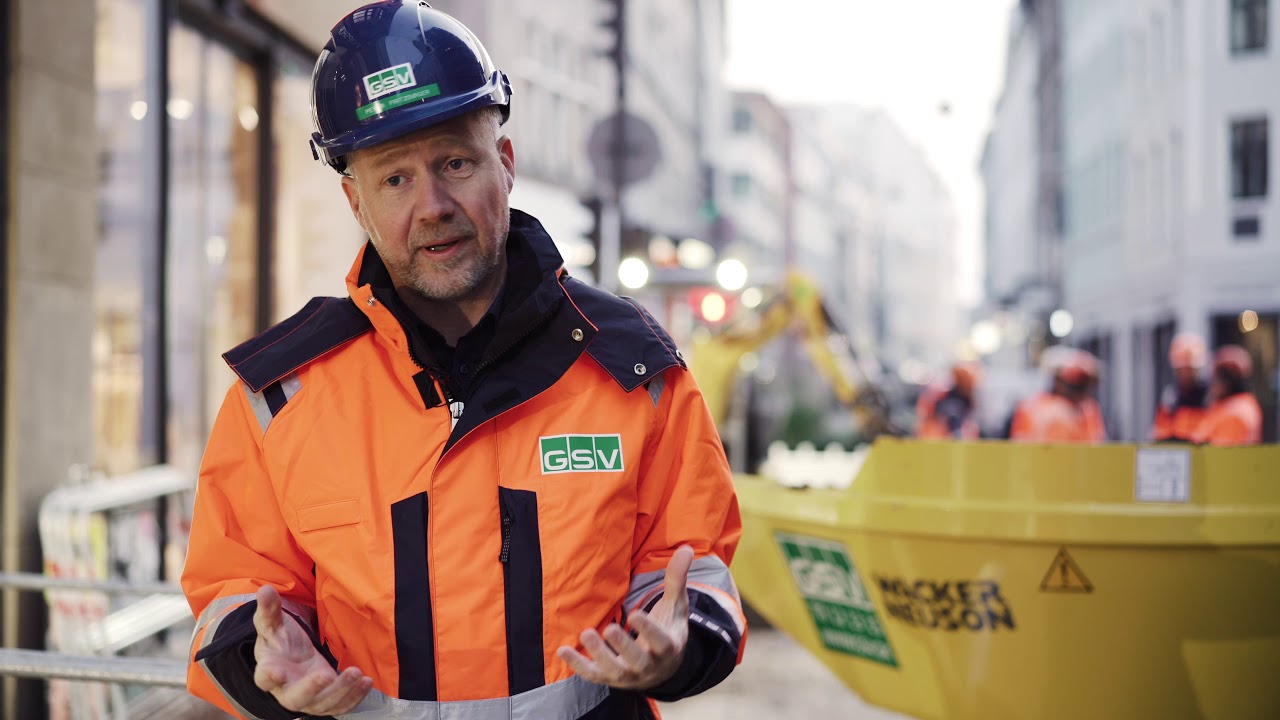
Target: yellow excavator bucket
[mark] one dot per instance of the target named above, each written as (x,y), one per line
(992,581)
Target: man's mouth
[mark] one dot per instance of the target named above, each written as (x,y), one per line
(444,245)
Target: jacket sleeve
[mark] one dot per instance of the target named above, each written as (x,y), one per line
(239,542)
(686,496)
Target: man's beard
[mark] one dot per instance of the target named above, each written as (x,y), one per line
(457,278)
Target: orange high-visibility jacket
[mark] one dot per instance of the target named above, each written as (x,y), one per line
(952,420)
(1235,420)
(449,558)
(1179,413)
(1051,418)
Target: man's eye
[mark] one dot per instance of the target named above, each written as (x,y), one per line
(456,164)
(395,181)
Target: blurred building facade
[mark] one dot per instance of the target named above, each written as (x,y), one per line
(1020,169)
(757,167)
(911,220)
(1168,217)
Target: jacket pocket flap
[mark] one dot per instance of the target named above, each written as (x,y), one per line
(334,514)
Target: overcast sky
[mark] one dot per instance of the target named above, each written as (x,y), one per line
(905,56)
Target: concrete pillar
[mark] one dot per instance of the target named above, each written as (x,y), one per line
(51,241)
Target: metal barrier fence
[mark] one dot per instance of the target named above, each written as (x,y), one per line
(44,664)
(115,638)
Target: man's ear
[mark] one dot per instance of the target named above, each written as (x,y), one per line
(507,153)
(353,199)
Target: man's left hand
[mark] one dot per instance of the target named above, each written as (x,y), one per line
(618,660)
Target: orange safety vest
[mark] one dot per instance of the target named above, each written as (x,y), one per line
(1179,414)
(934,425)
(1050,418)
(448,553)
(1235,420)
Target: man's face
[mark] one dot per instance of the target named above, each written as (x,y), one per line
(434,203)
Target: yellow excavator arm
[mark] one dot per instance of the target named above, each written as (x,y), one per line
(797,305)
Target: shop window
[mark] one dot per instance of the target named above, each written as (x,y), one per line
(120,335)
(214,198)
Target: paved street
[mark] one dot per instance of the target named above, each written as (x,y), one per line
(777,679)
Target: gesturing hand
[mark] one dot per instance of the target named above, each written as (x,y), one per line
(645,662)
(293,671)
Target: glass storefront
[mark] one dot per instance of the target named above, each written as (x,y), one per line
(253,226)
(212,238)
(119,337)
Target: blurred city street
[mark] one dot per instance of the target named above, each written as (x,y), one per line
(777,679)
(947,333)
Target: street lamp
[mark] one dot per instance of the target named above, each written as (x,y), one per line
(633,273)
(985,337)
(731,274)
(1061,323)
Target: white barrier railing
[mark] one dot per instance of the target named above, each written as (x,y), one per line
(806,466)
(103,541)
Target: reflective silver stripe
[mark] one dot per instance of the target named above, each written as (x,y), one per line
(290,385)
(260,408)
(642,586)
(213,616)
(204,665)
(655,388)
(708,570)
(218,609)
(213,612)
(565,700)
(711,572)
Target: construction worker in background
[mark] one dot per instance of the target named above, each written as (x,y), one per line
(1067,412)
(475,488)
(946,410)
(1182,404)
(1234,416)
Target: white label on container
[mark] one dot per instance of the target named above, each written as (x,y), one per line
(1163,475)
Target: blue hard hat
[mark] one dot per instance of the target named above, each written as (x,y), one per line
(393,67)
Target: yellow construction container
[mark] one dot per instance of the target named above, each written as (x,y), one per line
(993,581)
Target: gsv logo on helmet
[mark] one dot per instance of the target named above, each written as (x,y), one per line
(390,80)
(580,453)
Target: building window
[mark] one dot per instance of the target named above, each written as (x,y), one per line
(741,120)
(1249,158)
(740,185)
(1248,25)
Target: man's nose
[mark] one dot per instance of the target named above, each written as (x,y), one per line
(434,202)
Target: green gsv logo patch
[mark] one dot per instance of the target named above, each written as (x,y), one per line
(580,453)
(389,80)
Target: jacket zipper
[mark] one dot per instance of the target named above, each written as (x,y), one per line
(505,555)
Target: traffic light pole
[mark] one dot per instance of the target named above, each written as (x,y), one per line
(612,217)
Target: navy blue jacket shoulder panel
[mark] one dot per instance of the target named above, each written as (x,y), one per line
(630,345)
(322,325)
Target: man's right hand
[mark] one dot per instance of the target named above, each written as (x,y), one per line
(293,671)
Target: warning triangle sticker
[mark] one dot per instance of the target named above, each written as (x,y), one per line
(1065,576)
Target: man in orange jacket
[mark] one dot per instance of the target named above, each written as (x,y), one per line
(1182,405)
(1234,416)
(1067,412)
(475,488)
(946,411)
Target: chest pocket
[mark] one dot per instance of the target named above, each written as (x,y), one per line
(328,515)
